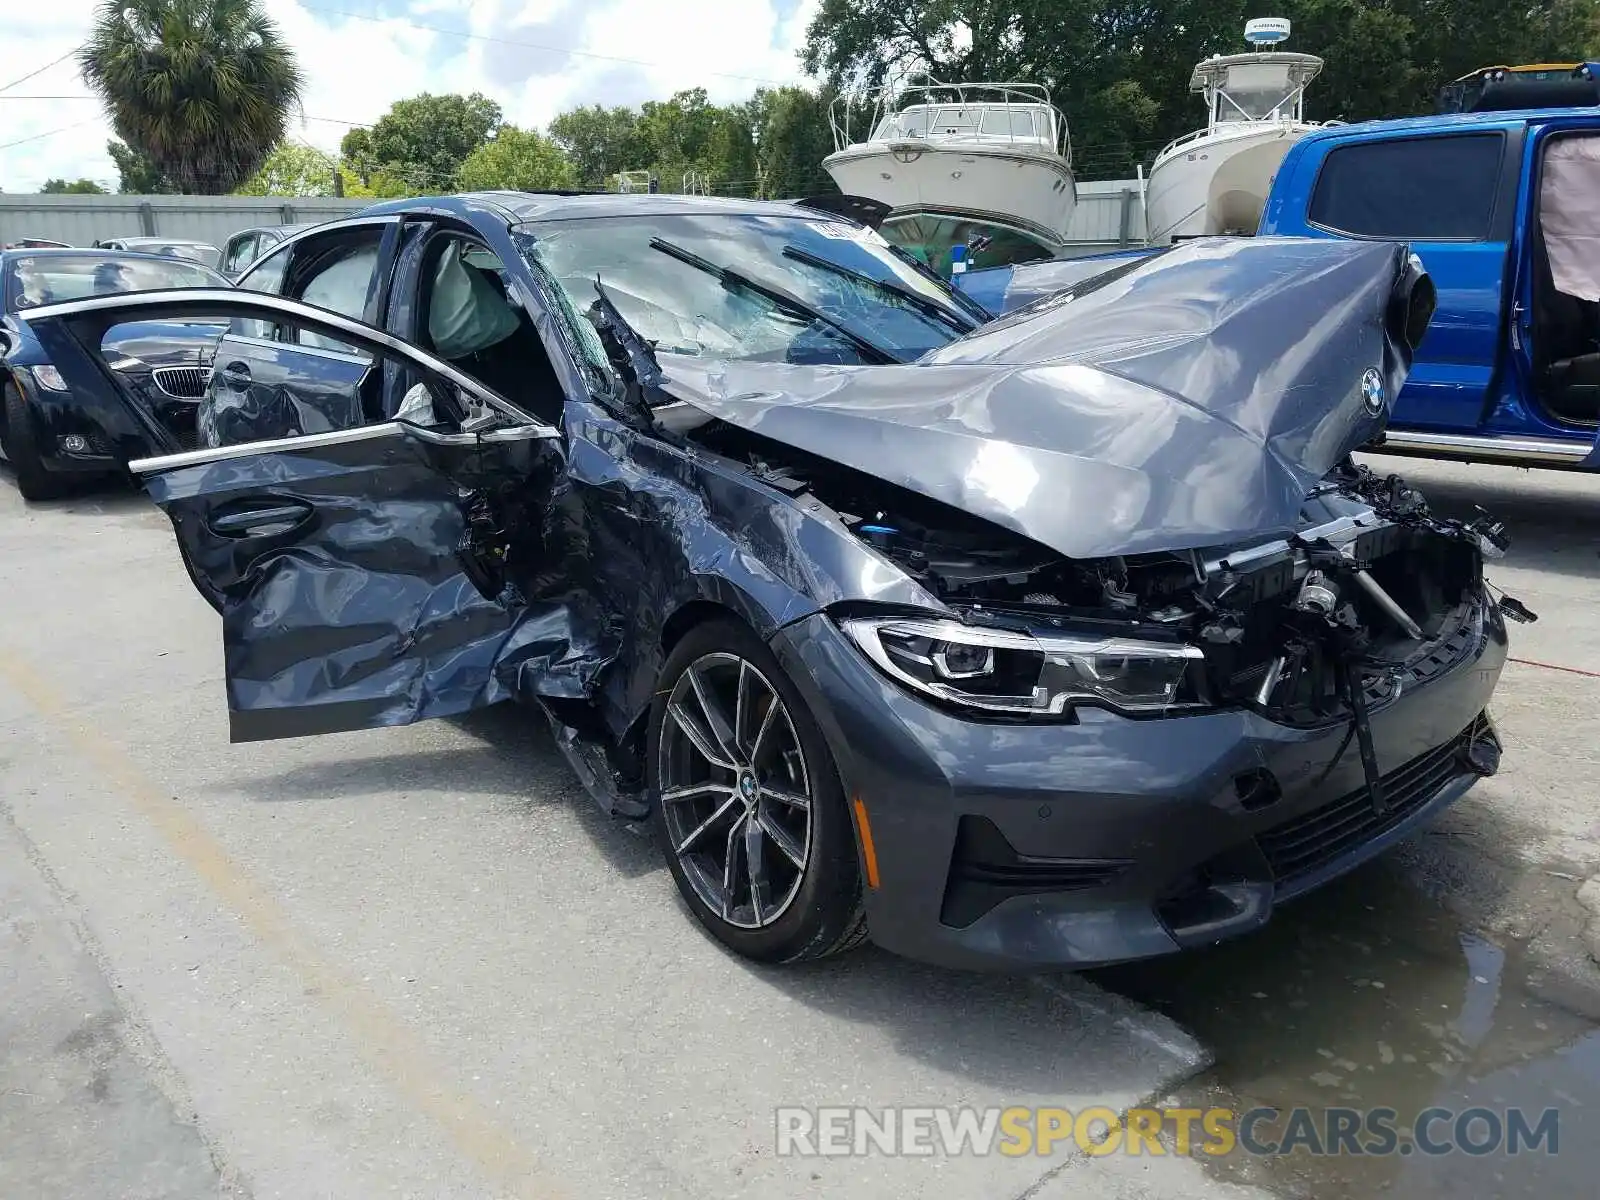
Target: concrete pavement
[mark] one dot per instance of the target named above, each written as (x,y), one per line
(418,962)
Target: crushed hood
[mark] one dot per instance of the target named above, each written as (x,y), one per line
(1191,400)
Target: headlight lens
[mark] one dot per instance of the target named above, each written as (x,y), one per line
(49,377)
(1001,671)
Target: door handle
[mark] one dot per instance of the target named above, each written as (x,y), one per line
(263,517)
(236,375)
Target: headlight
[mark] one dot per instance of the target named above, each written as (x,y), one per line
(1004,672)
(49,377)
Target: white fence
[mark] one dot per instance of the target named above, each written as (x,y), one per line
(83,220)
(1108,215)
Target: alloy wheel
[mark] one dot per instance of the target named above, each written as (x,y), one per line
(735,790)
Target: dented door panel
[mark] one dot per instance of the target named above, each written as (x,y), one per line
(345,575)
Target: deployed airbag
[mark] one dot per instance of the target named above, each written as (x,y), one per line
(466,314)
(1569,212)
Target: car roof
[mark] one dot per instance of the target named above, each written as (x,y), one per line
(1449,122)
(285,230)
(90,252)
(519,207)
(161,241)
(101,255)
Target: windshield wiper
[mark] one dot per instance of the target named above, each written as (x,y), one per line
(790,303)
(923,304)
(977,311)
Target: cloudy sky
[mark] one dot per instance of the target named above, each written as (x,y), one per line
(536,57)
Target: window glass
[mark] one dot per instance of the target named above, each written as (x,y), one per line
(592,361)
(278,394)
(686,309)
(1254,90)
(931,239)
(199,252)
(913,122)
(240,252)
(265,275)
(46,279)
(1439,188)
(1010,122)
(340,283)
(957,120)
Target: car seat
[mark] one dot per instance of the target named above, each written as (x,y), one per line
(1566,301)
(1566,344)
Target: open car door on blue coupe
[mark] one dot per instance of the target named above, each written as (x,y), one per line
(360,570)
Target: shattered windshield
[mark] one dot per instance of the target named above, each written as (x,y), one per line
(834,269)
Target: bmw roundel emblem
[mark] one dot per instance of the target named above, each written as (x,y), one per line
(1372,391)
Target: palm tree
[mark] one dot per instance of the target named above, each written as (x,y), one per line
(204,88)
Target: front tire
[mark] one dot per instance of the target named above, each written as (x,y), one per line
(22,450)
(750,814)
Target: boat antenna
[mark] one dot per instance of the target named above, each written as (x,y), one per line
(1266,31)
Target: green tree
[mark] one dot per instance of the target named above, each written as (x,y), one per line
(293,169)
(375,185)
(670,138)
(356,149)
(731,154)
(677,132)
(521,160)
(137,175)
(793,136)
(204,88)
(600,141)
(78,187)
(424,140)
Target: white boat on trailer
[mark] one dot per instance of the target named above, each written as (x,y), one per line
(982,153)
(1216,180)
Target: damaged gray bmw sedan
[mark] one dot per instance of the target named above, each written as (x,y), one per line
(1063,639)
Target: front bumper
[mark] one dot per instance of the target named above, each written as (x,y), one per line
(69,440)
(71,437)
(1131,838)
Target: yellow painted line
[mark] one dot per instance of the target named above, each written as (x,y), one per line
(383,1039)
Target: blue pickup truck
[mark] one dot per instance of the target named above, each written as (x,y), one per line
(1503,208)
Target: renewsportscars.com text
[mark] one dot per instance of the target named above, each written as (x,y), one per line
(1016,1131)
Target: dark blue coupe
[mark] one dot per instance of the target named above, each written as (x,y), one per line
(48,434)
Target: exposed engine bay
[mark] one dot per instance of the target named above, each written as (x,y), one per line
(1373,591)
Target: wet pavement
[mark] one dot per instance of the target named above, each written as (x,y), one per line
(1371,994)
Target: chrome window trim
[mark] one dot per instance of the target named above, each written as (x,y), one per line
(338,437)
(251,339)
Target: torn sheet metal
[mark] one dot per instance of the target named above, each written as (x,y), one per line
(640,528)
(262,390)
(1191,401)
(342,577)
(1004,289)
